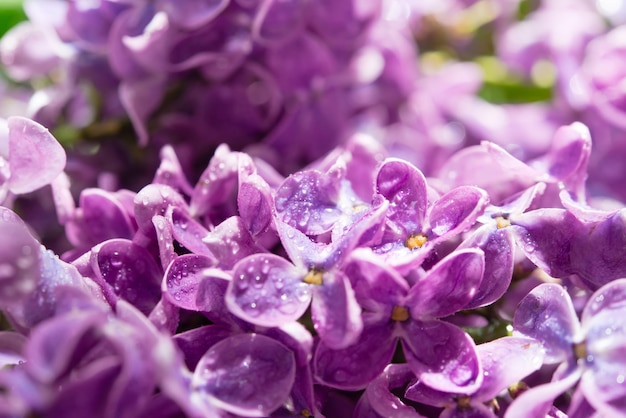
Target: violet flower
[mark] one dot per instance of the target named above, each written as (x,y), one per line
(504,361)
(268,290)
(417,221)
(587,351)
(441,354)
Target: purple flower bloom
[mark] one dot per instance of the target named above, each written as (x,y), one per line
(504,361)
(417,221)
(441,354)
(589,351)
(268,290)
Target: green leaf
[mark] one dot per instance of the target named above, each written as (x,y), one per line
(11,13)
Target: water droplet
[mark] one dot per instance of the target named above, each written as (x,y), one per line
(258,281)
(303,293)
(340,376)
(116,260)
(265,268)
(620,379)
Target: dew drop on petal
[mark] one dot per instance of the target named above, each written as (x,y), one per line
(116,260)
(340,376)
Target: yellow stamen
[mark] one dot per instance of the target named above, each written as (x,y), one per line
(502,222)
(580,350)
(463,402)
(313,277)
(517,389)
(306,413)
(399,313)
(415,241)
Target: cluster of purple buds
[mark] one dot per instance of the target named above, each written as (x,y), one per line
(283,208)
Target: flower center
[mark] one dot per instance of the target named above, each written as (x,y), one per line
(463,402)
(517,389)
(580,350)
(400,313)
(314,276)
(415,241)
(502,222)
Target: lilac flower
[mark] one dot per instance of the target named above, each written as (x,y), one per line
(504,361)
(587,351)
(441,354)
(416,221)
(268,290)
(379,399)
(30,158)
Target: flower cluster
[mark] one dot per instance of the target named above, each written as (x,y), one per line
(283,208)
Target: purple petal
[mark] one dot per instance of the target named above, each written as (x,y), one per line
(11,348)
(343,22)
(128,271)
(604,382)
(155,199)
(474,410)
(302,251)
(442,355)
(546,236)
(28,51)
(140,99)
(497,244)
(596,256)
(230,242)
(604,386)
(377,287)
(48,360)
(182,280)
(35,156)
(165,240)
(193,14)
(335,311)
(379,400)
(100,217)
(128,24)
(579,406)
(405,188)
(60,288)
(354,367)
(489,167)
(609,299)
(195,342)
(307,201)
(211,297)
(537,401)
(569,155)
(19,260)
(188,232)
(506,361)
(170,172)
(419,392)
(86,394)
(297,62)
(267,290)
(457,210)
(448,286)
(254,202)
(246,374)
(91,25)
(547,315)
(277,21)
(217,183)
